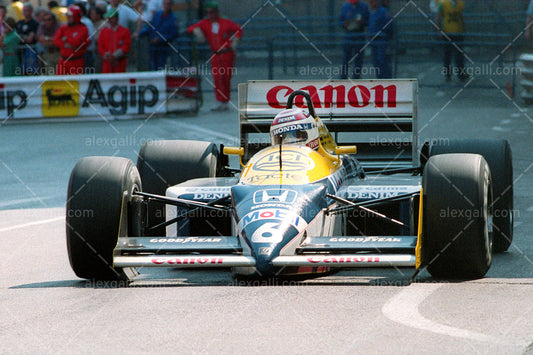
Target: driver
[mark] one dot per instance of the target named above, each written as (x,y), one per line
(294,126)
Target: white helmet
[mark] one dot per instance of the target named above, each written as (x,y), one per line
(294,126)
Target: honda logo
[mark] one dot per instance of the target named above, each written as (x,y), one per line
(275,195)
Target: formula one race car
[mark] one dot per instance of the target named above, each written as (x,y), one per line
(293,208)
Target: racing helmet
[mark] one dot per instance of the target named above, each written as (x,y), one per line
(75,11)
(294,126)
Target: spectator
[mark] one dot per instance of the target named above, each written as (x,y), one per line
(97,17)
(38,14)
(96,14)
(529,20)
(163,29)
(114,44)
(102,4)
(91,47)
(223,36)
(10,43)
(2,18)
(353,19)
(15,10)
(45,36)
(126,15)
(27,30)
(434,9)
(151,6)
(451,26)
(72,39)
(59,12)
(380,30)
(142,43)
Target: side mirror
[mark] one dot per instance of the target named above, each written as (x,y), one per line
(234,151)
(348,149)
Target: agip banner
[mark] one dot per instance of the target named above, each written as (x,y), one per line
(121,95)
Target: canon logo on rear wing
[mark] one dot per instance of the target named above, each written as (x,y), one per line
(339,96)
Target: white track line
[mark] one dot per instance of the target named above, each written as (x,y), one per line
(403,309)
(44,221)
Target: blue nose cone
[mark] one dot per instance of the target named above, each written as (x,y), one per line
(270,238)
(272,219)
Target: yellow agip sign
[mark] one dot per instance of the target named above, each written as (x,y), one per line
(60,98)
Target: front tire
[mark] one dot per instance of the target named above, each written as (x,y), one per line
(456,241)
(94,203)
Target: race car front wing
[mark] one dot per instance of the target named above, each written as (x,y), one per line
(198,252)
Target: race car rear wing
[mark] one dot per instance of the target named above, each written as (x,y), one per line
(379,116)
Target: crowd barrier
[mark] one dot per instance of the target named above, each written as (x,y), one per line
(103,96)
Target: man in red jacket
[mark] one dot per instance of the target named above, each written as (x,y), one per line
(114,44)
(223,36)
(72,39)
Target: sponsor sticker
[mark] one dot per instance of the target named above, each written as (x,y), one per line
(203,196)
(187,261)
(281,215)
(343,260)
(292,128)
(186,240)
(275,195)
(366,240)
(292,161)
(264,250)
(60,98)
(378,192)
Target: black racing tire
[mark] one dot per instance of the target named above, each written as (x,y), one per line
(166,163)
(456,238)
(94,202)
(497,153)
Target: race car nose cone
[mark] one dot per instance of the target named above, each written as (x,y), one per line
(272,219)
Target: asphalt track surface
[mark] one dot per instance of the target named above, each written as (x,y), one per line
(45,308)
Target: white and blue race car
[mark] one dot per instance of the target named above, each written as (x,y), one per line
(292,210)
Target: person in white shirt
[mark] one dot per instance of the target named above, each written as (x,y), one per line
(127,17)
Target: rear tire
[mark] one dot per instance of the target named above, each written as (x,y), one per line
(163,164)
(497,153)
(94,202)
(456,242)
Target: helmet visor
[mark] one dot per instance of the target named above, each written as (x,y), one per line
(294,137)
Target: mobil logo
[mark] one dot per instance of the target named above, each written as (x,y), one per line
(273,214)
(340,96)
